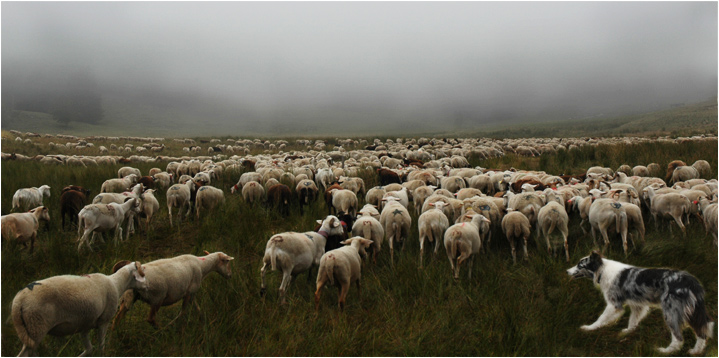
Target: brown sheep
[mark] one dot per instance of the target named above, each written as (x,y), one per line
(387,176)
(279,196)
(72,201)
(670,168)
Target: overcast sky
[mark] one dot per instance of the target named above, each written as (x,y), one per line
(483,57)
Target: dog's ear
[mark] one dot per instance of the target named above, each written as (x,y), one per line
(595,256)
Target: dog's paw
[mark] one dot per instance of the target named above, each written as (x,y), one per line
(626,331)
(667,350)
(586,328)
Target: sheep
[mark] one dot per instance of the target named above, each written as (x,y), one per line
(640,171)
(387,176)
(149,206)
(527,203)
(171,280)
(553,216)
(344,201)
(419,195)
(179,196)
(671,167)
(163,180)
(466,193)
(119,185)
(453,183)
(634,219)
(324,178)
(709,213)
(253,192)
(96,218)
(369,227)
(462,242)
(125,171)
(354,184)
(332,230)
(342,266)
(208,197)
(292,253)
(21,227)
(27,198)
(605,213)
(514,226)
(64,305)
(307,193)
(396,222)
(279,196)
(401,194)
(703,168)
(374,195)
(432,224)
(72,200)
(684,173)
(669,205)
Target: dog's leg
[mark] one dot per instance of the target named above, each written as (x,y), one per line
(610,315)
(673,319)
(702,341)
(638,314)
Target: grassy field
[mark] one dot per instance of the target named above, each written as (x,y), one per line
(528,309)
(132,119)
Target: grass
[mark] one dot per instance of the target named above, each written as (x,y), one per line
(122,116)
(528,309)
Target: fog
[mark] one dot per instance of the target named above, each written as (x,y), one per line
(467,64)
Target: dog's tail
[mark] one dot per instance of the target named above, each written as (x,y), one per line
(698,318)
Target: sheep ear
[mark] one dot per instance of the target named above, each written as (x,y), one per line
(335,224)
(319,222)
(119,265)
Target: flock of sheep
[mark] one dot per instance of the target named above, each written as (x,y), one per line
(458,207)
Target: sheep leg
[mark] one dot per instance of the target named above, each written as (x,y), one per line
(318,292)
(344,288)
(263,288)
(32,241)
(101,332)
(581,225)
(286,278)
(678,220)
(514,249)
(86,342)
(169,209)
(151,317)
(421,250)
(526,255)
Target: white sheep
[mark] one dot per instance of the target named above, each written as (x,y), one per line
(96,218)
(553,216)
(369,227)
(419,195)
(462,242)
(514,226)
(178,196)
(607,213)
(149,206)
(370,210)
(709,214)
(396,222)
(432,225)
(292,253)
(344,201)
(163,180)
(125,171)
(208,197)
(341,266)
(119,185)
(65,305)
(253,192)
(21,227)
(171,280)
(27,198)
(402,195)
(668,206)
(374,196)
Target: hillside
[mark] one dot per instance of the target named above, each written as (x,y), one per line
(126,117)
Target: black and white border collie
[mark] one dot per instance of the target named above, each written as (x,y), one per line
(679,294)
